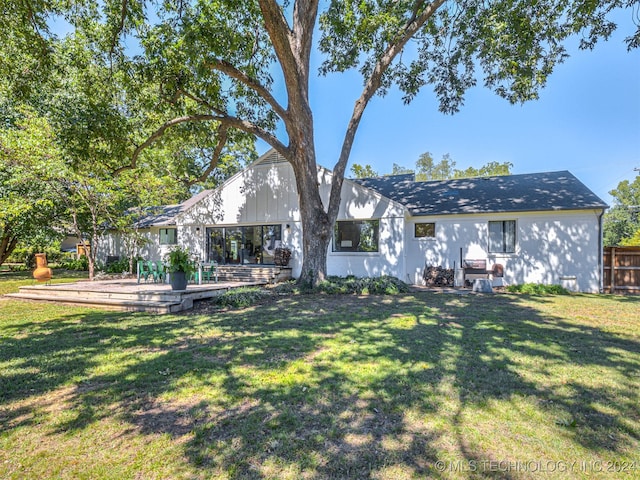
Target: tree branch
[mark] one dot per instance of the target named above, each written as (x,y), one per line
(372,85)
(282,39)
(227,120)
(252,83)
(120,27)
(215,157)
(304,21)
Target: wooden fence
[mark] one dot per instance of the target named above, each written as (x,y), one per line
(622,270)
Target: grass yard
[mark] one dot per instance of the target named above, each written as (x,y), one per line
(419,385)
(10,282)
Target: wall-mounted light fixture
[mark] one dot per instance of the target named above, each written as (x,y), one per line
(288,227)
(197,229)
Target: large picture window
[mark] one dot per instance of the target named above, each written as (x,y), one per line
(168,236)
(502,236)
(253,244)
(356,236)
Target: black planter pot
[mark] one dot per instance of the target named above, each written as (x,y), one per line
(178,281)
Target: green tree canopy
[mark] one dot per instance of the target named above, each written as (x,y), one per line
(29,165)
(363,171)
(622,222)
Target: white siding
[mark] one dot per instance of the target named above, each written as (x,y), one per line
(261,194)
(112,244)
(550,246)
(267,194)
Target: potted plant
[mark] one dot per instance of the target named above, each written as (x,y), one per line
(180,267)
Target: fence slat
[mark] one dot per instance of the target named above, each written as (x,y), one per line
(622,269)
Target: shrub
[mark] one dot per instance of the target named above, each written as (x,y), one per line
(119,266)
(80,264)
(384,285)
(242,297)
(290,287)
(537,289)
(27,255)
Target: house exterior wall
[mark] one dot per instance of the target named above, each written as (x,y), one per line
(112,244)
(559,247)
(266,194)
(551,247)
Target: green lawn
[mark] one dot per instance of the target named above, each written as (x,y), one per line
(10,282)
(420,385)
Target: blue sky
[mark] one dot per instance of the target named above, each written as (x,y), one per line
(587,121)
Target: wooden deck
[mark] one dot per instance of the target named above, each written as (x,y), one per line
(127,295)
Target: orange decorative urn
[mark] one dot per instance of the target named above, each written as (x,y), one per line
(42,273)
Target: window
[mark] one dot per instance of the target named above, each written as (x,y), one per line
(502,237)
(252,244)
(425,230)
(356,236)
(168,236)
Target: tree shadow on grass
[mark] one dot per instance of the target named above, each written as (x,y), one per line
(331,387)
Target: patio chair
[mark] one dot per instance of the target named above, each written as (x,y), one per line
(162,274)
(157,271)
(144,271)
(210,271)
(194,276)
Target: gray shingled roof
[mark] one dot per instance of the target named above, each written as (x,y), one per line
(512,193)
(166,214)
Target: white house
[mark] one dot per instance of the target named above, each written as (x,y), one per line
(543,228)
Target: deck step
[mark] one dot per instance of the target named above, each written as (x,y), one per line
(67,292)
(111,303)
(128,295)
(253,273)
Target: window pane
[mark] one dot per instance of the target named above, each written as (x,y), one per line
(495,237)
(356,236)
(510,236)
(215,239)
(423,230)
(233,245)
(271,239)
(502,237)
(168,236)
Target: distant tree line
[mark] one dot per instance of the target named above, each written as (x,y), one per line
(427,168)
(622,221)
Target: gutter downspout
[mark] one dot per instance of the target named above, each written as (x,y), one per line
(601,252)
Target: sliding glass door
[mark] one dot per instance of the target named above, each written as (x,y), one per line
(250,245)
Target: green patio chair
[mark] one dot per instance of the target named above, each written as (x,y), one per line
(210,271)
(156,271)
(144,271)
(193,278)
(161,272)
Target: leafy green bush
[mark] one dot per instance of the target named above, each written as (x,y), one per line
(119,266)
(80,264)
(27,255)
(290,287)
(384,285)
(242,297)
(537,289)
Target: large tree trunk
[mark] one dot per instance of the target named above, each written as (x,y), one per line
(8,243)
(316,228)
(316,235)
